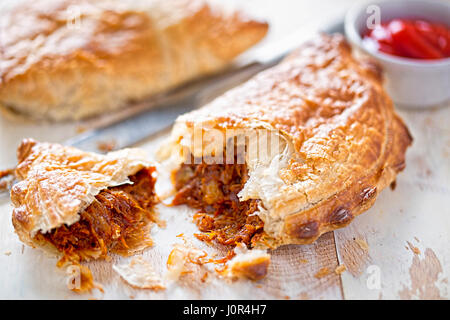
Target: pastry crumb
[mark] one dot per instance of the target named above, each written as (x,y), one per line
(340,269)
(204,277)
(182,260)
(106,146)
(362,244)
(303,261)
(413,248)
(6,179)
(251,264)
(322,273)
(80,129)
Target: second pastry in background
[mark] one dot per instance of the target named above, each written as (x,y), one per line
(66,59)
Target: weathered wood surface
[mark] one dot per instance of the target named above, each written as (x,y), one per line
(402,241)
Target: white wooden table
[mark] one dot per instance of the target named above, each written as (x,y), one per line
(396,250)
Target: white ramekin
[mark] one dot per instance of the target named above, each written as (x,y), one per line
(410,82)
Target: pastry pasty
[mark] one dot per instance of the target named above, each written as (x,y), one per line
(70,59)
(299,150)
(83,205)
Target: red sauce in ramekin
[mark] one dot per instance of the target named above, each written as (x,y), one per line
(410,38)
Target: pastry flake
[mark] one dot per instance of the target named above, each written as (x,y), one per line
(139,274)
(183,259)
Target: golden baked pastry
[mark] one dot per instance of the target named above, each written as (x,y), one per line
(334,143)
(70,59)
(83,205)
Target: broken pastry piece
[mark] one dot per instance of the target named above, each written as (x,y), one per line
(182,260)
(82,205)
(139,274)
(251,264)
(299,150)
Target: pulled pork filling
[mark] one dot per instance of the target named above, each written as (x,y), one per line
(116,221)
(213,189)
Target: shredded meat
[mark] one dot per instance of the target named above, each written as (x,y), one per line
(115,221)
(213,189)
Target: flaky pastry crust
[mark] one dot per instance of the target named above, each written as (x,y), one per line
(56,183)
(70,59)
(343,141)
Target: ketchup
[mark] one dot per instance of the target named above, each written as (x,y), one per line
(417,39)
